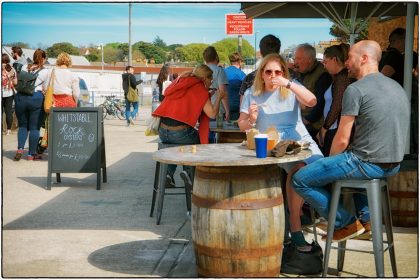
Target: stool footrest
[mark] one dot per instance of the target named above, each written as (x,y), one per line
(363,251)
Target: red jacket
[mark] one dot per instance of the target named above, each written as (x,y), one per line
(184,101)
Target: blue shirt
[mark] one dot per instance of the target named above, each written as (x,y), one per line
(235,77)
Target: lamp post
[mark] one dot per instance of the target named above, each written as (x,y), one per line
(101,47)
(255,49)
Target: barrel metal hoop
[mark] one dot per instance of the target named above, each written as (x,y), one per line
(404,213)
(238,254)
(242,204)
(267,273)
(400,194)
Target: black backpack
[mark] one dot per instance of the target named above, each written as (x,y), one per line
(302,263)
(26,81)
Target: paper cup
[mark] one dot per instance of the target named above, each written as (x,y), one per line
(261,145)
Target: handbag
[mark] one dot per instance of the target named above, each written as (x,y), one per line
(44,140)
(49,94)
(132,93)
(152,126)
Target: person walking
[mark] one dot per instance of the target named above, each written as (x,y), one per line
(8,82)
(375,149)
(128,79)
(29,107)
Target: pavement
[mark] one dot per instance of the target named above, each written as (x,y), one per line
(74,230)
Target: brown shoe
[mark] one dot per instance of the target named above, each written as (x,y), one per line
(347,232)
(367,235)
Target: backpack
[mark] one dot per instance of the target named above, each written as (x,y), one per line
(26,82)
(302,263)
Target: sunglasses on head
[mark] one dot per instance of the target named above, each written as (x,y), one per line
(269,72)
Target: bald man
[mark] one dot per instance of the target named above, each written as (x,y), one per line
(374,151)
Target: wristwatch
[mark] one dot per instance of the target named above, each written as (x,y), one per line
(289,84)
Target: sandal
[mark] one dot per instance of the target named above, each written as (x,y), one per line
(19,154)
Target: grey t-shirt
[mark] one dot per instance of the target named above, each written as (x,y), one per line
(382,115)
(219,78)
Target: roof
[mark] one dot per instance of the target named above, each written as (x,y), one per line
(29,53)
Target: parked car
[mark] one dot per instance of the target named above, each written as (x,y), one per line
(84,97)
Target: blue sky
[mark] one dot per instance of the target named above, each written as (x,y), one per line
(82,24)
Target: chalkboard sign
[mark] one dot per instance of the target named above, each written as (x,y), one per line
(76,142)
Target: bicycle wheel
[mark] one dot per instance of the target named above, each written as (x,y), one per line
(121,113)
(104,111)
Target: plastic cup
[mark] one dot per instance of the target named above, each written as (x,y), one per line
(261,145)
(271,144)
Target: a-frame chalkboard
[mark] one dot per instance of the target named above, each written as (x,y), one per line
(76,143)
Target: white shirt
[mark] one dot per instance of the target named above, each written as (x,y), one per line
(65,82)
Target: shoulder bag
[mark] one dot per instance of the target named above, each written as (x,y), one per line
(49,94)
(132,93)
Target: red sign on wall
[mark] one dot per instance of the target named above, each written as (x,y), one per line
(238,24)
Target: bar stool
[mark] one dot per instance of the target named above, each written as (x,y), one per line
(379,207)
(160,178)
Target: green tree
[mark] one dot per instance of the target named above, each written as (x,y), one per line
(151,51)
(92,57)
(191,52)
(58,48)
(111,55)
(158,42)
(337,32)
(227,46)
(19,44)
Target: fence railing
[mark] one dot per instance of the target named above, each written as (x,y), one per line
(98,97)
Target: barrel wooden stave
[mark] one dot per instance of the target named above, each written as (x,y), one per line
(229,241)
(403,192)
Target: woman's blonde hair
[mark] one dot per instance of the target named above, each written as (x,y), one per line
(259,85)
(202,72)
(63,59)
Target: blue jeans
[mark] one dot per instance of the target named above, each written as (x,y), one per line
(310,181)
(128,113)
(187,136)
(30,114)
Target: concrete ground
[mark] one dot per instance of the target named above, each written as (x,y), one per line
(73,230)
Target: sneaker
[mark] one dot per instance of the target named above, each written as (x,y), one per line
(8,132)
(187,180)
(170,182)
(18,155)
(347,232)
(367,235)
(131,121)
(34,157)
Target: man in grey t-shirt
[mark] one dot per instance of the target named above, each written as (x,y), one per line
(379,110)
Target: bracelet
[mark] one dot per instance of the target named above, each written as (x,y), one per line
(289,84)
(252,124)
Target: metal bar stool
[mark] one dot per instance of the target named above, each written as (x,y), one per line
(159,186)
(379,207)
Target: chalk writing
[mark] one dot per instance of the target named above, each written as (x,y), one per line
(73,117)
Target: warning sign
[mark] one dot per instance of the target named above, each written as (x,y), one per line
(238,24)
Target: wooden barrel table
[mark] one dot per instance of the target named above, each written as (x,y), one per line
(237,208)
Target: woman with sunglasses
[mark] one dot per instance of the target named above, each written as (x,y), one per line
(274,101)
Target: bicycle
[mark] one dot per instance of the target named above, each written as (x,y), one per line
(112,107)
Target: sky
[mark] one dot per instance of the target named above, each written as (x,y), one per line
(92,23)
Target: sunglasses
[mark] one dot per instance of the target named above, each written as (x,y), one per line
(269,72)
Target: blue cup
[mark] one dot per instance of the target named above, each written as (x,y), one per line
(261,141)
